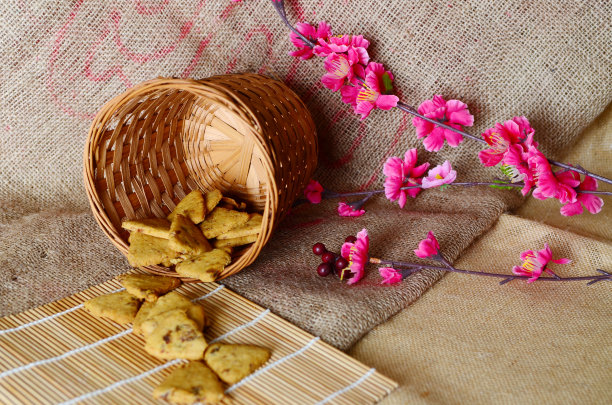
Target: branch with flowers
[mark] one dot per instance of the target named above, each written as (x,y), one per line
(367,85)
(351,263)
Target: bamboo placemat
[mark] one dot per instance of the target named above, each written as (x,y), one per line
(59,353)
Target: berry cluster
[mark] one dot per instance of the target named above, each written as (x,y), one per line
(332,262)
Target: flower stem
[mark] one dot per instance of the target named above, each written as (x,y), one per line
(448,267)
(411,110)
(333,194)
(279,6)
(580,170)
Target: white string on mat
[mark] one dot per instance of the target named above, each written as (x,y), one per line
(271,365)
(63,356)
(86,347)
(348,387)
(239,328)
(216,290)
(46,318)
(120,383)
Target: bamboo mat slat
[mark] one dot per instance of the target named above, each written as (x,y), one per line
(59,353)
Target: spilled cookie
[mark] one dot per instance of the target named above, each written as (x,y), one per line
(172,327)
(185,239)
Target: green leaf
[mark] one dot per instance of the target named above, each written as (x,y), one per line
(501,187)
(387,83)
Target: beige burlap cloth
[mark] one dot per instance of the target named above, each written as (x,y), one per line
(61,62)
(469,340)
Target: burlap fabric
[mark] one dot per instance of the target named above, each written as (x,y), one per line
(593,150)
(490,344)
(483,343)
(545,59)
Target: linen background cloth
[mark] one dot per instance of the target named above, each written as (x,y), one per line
(515,343)
(61,61)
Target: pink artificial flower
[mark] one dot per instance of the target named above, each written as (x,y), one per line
(534,263)
(347,210)
(591,202)
(559,185)
(345,43)
(357,255)
(340,67)
(439,175)
(567,181)
(390,275)
(502,136)
(313,192)
(403,173)
(336,44)
(428,246)
(453,113)
(516,163)
(304,51)
(543,176)
(374,93)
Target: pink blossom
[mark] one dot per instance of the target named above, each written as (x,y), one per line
(591,202)
(347,210)
(374,93)
(502,136)
(403,173)
(390,275)
(428,246)
(439,175)
(545,181)
(313,192)
(340,67)
(559,185)
(534,263)
(345,43)
(357,255)
(567,181)
(337,44)
(453,113)
(516,163)
(304,51)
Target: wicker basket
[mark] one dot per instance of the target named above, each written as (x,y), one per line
(248,135)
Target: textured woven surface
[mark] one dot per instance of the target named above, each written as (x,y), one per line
(483,343)
(546,60)
(514,344)
(90,360)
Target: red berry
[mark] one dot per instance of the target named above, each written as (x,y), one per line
(318,249)
(324,269)
(328,257)
(341,263)
(350,239)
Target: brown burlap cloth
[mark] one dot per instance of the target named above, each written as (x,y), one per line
(61,62)
(471,341)
(516,344)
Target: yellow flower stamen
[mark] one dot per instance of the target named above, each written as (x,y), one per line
(439,177)
(530,264)
(498,143)
(367,94)
(340,68)
(352,251)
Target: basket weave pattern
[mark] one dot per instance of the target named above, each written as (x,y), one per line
(248,135)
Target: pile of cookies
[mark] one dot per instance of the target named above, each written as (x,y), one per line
(197,237)
(172,327)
